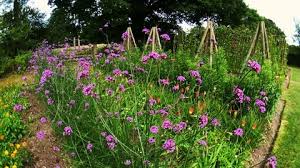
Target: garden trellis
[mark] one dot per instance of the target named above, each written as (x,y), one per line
(128,39)
(260,30)
(209,40)
(153,40)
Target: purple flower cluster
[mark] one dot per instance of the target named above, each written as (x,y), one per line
(18,107)
(240,96)
(181,78)
(40,135)
(83,69)
(146,30)
(110,141)
(169,145)
(88,89)
(68,131)
(89,147)
(203,121)
(261,105)
(202,143)
(177,128)
(153,55)
(164,82)
(47,74)
(125,35)
(254,65)
(238,132)
(154,129)
(165,37)
(272,162)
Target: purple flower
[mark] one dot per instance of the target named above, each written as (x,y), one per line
(163,112)
(151,140)
(109,92)
(202,143)
(129,119)
(130,82)
(121,88)
(55,148)
(164,82)
(181,78)
(104,134)
(117,72)
(215,122)
(59,123)
(163,56)
(199,81)
(88,89)
(109,79)
(145,59)
(272,162)
(68,131)
(203,121)
(169,145)
(50,101)
(262,109)
(40,135)
(152,102)
(125,35)
(165,37)
(175,88)
(127,163)
(263,93)
(111,145)
(238,132)
(18,108)
(43,120)
(111,142)
(195,74)
(47,74)
(154,55)
(146,162)
(47,92)
(146,30)
(247,99)
(154,129)
(259,102)
(254,65)
(167,124)
(239,94)
(89,147)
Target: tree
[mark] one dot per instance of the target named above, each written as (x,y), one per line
(21,28)
(87,16)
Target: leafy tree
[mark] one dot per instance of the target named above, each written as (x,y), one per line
(297,35)
(87,16)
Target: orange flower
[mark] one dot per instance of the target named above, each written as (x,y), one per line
(254,126)
(191,110)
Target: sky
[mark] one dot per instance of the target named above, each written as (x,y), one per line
(285,13)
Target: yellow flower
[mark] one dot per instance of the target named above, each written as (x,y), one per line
(14,166)
(18,146)
(15,152)
(13,155)
(6,167)
(6,152)
(11,145)
(1,137)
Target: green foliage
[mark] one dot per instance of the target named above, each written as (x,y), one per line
(19,63)
(12,129)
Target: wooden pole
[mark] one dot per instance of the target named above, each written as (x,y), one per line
(211,45)
(79,42)
(251,47)
(202,40)
(158,39)
(74,42)
(263,39)
(153,39)
(132,37)
(267,43)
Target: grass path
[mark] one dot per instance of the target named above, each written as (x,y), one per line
(287,146)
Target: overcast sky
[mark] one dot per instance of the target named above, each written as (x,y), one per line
(283,12)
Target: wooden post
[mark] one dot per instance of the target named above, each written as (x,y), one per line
(74,42)
(265,43)
(79,42)
(154,36)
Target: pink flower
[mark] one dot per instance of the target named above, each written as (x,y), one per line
(154,129)
(40,135)
(18,108)
(169,145)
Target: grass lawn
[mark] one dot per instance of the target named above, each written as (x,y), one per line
(287,147)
